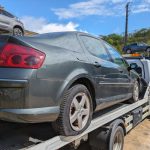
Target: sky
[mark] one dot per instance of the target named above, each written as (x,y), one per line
(98,17)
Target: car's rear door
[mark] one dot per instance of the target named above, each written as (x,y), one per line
(141,47)
(105,72)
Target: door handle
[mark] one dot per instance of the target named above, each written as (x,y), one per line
(96,64)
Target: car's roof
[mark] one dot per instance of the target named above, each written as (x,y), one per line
(65,33)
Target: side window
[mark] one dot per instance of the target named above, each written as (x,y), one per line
(7,14)
(141,44)
(134,44)
(95,47)
(117,58)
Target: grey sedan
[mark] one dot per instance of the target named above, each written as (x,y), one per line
(63,78)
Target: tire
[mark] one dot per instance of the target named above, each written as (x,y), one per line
(104,138)
(136,92)
(17,31)
(128,51)
(76,111)
(117,139)
(148,49)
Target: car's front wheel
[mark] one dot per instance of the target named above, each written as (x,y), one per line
(148,49)
(136,92)
(75,111)
(128,51)
(17,31)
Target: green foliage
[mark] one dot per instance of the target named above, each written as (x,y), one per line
(117,40)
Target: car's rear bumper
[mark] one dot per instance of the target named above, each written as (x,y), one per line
(13,83)
(32,115)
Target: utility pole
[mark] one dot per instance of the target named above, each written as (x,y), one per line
(126,24)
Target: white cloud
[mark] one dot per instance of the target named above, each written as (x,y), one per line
(90,7)
(41,25)
(141,8)
(101,8)
(117,1)
(144,6)
(147,1)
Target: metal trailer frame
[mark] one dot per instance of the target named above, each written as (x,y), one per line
(124,111)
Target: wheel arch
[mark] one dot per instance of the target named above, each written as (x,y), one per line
(89,85)
(120,122)
(79,79)
(117,122)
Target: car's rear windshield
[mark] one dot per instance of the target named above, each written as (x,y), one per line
(64,40)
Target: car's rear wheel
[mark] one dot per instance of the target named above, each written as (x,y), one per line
(128,51)
(136,92)
(17,31)
(75,111)
(148,49)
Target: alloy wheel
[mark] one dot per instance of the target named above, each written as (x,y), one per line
(148,50)
(17,32)
(79,111)
(118,141)
(136,92)
(128,51)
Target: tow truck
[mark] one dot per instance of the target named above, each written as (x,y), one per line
(102,134)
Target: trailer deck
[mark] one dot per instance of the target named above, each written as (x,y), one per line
(41,136)
(122,110)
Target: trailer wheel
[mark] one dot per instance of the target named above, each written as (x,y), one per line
(75,111)
(109,138)
(117,139)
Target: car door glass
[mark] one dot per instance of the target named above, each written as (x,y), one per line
(95,47)
(7,14)
(117,58)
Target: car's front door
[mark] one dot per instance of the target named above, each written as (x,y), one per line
(105,72)
(2,25)
(6,20)
(124,82)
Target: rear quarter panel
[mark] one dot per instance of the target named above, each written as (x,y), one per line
(60,69)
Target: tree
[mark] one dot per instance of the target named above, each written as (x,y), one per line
(142,35)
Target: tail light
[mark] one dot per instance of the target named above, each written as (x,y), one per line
(18,56)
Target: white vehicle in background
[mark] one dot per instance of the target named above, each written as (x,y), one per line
(140,64)
(10,23)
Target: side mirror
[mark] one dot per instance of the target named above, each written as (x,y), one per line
(135,67)
(132,66)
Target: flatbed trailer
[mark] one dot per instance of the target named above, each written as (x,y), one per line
(98,136)
(20,136)
(131,114)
